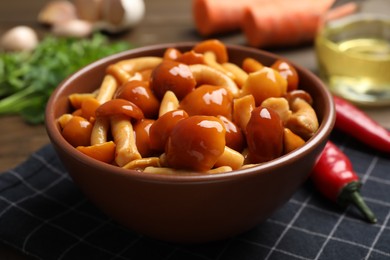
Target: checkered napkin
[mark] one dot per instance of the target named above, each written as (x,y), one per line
(43,214)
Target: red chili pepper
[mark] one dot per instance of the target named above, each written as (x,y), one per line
(335,178)
(350,119)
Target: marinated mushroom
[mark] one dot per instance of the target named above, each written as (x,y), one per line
(208,100)
(200,150)
(120,111)
(250,65)
(104,152)
(107,89)
(139,93)
(134,65)
(210,59)
(142,137)
(264,135)
(298,93)
(77,131)
(77,99)
(171,54)
(214,46)
(143,163)
(242,110)
(230,158)
(263,84)
(168,103)
(288,72)
(88,108)
(234,136)
(291,141)
(118,73)
(240,75)
(280,105)
(204,74)
(162,127)
(174,76)
(303,120)
(191,58)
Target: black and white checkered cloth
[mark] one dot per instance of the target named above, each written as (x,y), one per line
(43,214)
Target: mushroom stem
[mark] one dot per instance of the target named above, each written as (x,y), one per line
(230,158)
(141,164)
(242,109)
(303,121)
(126,148)
(210,59)
(240,75)
(138,64)
(204,74)
(168,103)
(118,73)
(100,130)
(107,89)
(280,105)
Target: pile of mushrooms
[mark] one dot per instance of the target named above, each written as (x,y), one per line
(191,111)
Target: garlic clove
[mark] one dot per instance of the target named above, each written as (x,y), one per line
(119,15)
(57,11)
(114,11)
(19,38)
(89,10)
(73,28)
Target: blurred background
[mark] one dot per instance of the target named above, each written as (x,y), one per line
(162,22)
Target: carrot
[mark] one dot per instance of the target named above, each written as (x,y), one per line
(264,22)
(282,22)
(219,16)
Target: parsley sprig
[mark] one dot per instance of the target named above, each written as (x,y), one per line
(28,79)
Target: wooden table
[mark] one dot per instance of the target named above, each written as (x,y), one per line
(165,21)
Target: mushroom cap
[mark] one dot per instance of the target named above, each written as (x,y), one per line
(119,106)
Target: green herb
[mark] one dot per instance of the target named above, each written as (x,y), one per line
(28,79)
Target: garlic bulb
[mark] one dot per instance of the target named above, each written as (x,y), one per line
(119,15)
(89,10)
(73,28)
(19,38)
(57,11)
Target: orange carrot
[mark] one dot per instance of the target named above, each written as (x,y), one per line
(219,16)
(283,22)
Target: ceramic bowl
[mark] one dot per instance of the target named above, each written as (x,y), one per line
(188,208)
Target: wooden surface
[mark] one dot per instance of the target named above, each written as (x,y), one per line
(164,21)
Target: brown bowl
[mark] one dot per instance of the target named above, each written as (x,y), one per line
(188,208)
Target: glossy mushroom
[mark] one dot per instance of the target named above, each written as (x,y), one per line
(139,93)
(264,135)
(288,72)
(120,112)
(174,76)
(201,149)
(208,100)
(162,127)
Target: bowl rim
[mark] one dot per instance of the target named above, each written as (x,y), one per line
(56,138)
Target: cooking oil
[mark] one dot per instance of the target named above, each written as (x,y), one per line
(353,55)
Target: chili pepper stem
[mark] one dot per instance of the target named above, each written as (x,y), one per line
(350,194)
(358,201)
